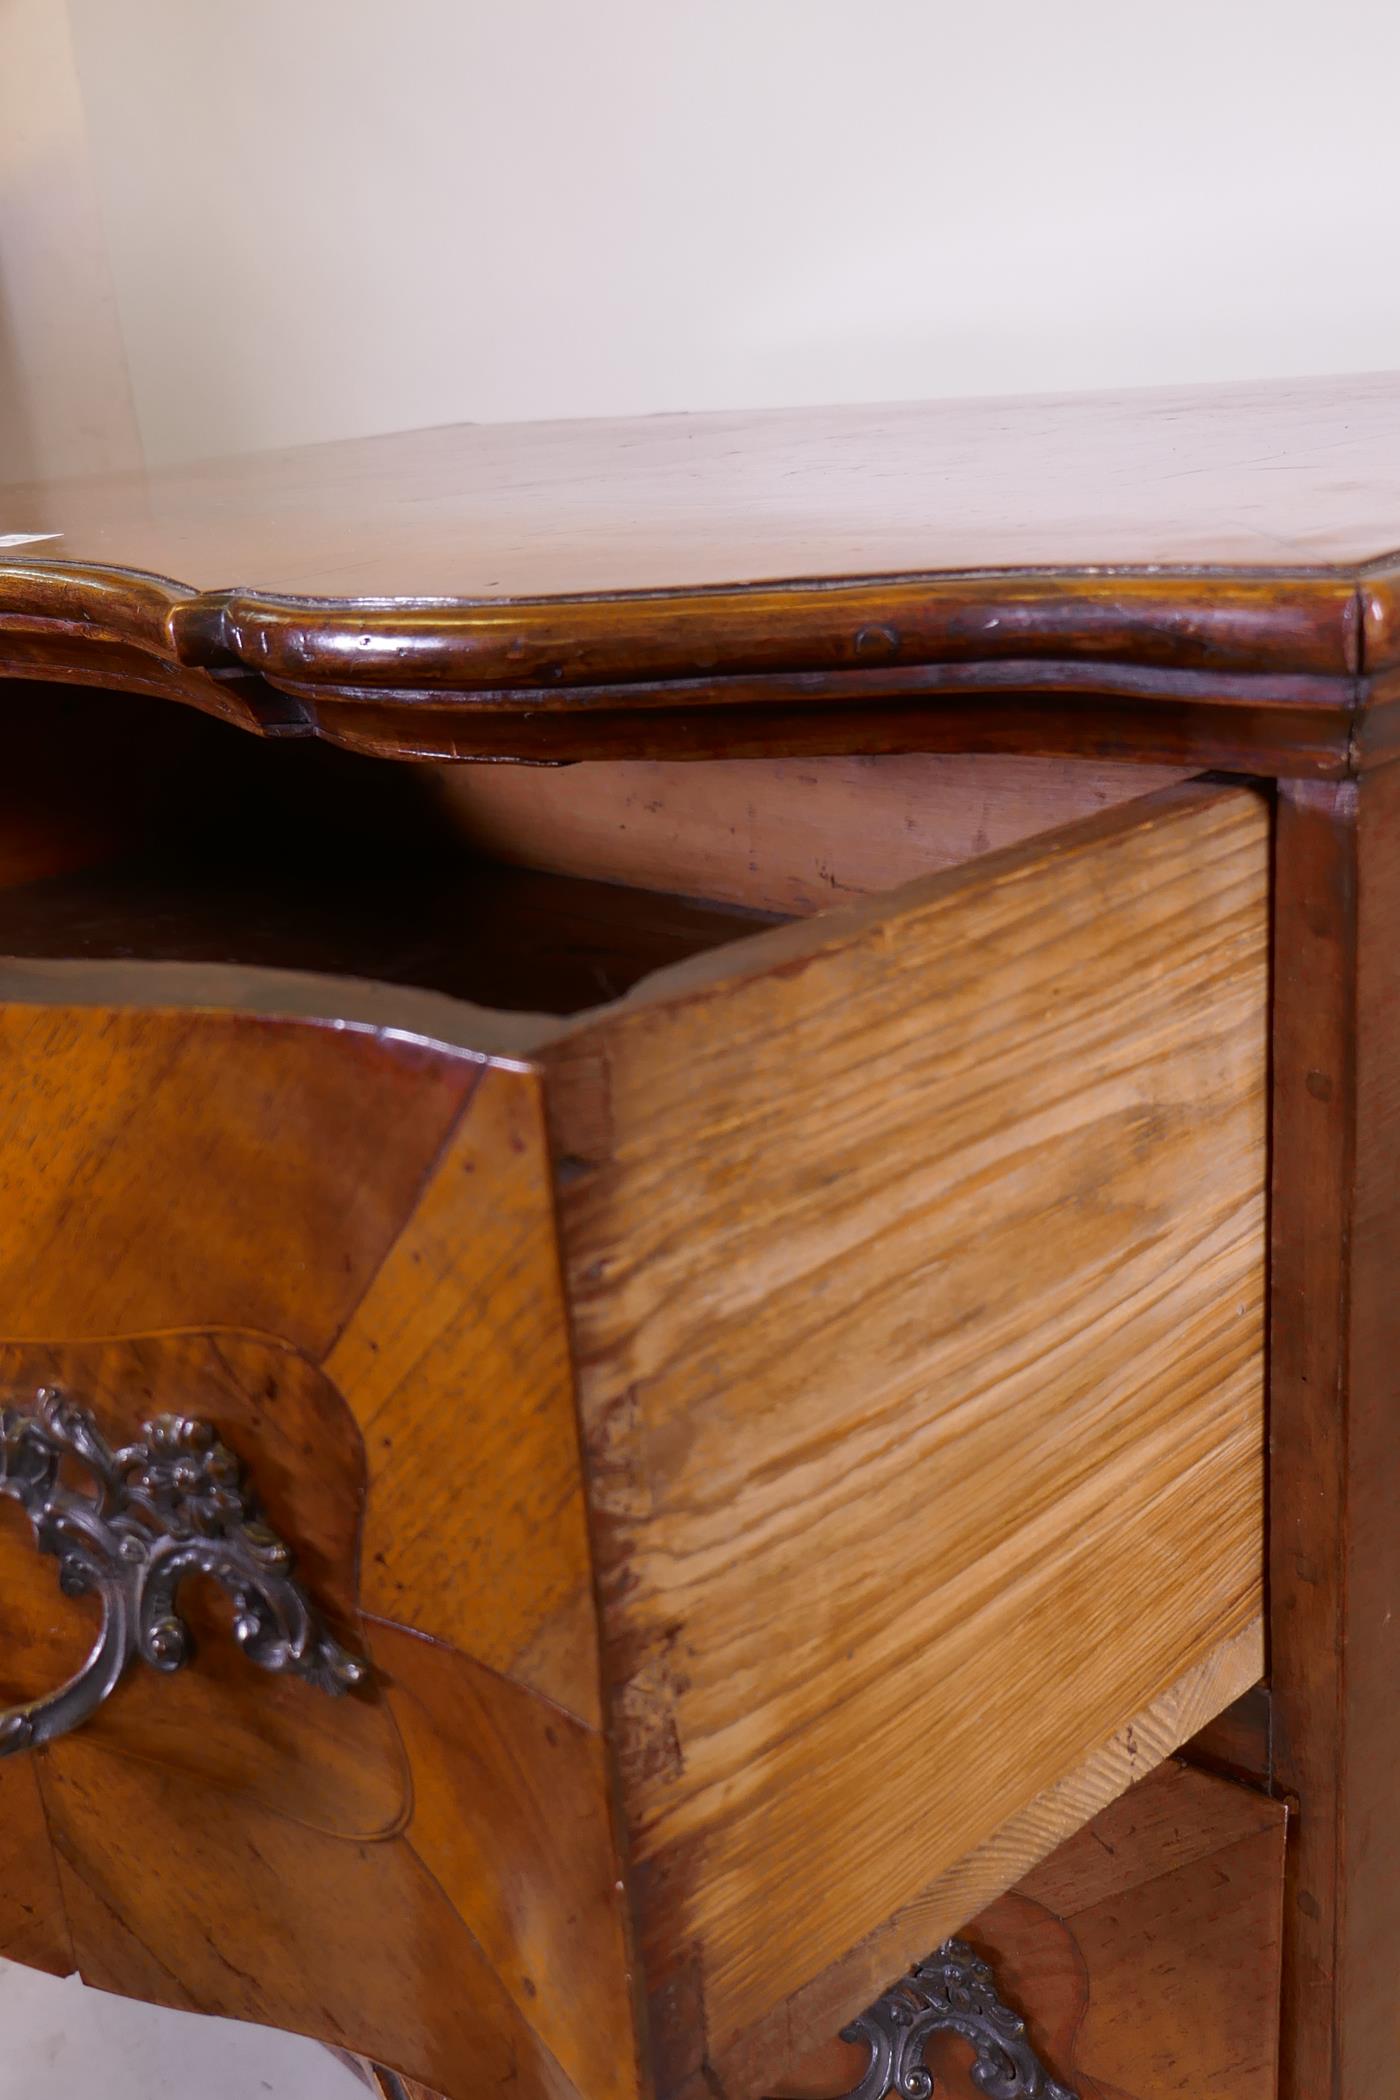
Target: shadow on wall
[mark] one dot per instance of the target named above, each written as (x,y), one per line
(65,401)
(17,461)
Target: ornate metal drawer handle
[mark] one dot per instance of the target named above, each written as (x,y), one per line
(953,1992)
(172,1505)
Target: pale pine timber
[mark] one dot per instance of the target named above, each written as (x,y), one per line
(916,1273)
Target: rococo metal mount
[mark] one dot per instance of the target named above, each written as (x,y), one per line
(171,1505)
(175,1504)
(952,1992)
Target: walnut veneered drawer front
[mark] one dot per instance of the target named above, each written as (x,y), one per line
(787,1446)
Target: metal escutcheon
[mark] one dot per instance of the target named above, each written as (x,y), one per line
(952,1992)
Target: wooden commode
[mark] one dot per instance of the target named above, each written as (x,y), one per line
(696,1360)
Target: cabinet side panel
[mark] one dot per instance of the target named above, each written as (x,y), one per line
(917,1276)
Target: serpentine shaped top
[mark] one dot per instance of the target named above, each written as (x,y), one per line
(1203,575)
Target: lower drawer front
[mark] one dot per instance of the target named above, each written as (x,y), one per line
(337,1249)
(787,1446)
(1143,1956)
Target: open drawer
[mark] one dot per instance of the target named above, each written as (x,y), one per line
(786,1443)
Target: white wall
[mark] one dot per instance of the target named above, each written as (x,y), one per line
(331,216)
(65,405)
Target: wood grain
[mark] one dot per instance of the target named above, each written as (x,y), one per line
(1254,672)
(1179,1949)
(383,1964)
(456,1364)
(1315,1168)
(1144,1953)
(293,1165)
(480,1946)
(228,1842)
(512,1818)
(33,1922)
(823,2007)
(347,1192)
(776,834)
(1335,1558)
(965,1185)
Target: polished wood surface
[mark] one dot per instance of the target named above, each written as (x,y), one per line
(1297,472)
(294,1170)
(1200,578)
(33,1922)
(1335,1558)
(263,1917)
(1144,1954)
(944,586)
(1258,672)
(458,1359)
(336,1244)
(966,1185)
